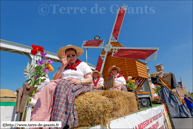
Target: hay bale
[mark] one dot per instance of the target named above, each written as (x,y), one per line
(124,103)
(7,93)
(94,108)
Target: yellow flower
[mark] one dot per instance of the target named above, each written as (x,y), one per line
(50,68)
(132,81)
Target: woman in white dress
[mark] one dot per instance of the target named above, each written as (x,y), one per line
(56,101)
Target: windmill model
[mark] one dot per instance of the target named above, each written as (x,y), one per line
(113,49)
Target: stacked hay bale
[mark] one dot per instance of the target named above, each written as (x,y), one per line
(99,108)
(5,93)
(7,96)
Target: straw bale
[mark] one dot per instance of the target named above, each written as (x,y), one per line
(7,93)
(94,108)
(124,103)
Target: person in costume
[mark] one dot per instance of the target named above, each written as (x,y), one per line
(167,83)
(189,103)
(119,79)
(56,101)
(98,81)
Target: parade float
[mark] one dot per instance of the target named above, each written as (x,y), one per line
(111,109)
(127,115)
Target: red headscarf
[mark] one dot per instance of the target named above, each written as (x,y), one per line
(74,65)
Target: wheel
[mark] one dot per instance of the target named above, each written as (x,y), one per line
(144,102)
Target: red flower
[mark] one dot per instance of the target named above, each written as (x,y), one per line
(157,97)
(36,49)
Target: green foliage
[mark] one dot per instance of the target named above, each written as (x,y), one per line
(156,90)
(39,70)
(132,84)
(34,75)
(43,80)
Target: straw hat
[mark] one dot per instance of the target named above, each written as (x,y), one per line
(110,69)
(96,71)
(63,49)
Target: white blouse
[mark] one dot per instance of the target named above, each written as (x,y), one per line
(82,69)
(100,82)
(120,80)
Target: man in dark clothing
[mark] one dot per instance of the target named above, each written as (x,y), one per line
(168,83)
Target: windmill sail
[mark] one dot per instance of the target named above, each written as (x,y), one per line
(99,63)
(141,54)
(93,43)
(118,23)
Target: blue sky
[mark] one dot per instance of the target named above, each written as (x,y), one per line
(163,24)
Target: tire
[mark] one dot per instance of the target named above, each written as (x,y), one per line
(144,102)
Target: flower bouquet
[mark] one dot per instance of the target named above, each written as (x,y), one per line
(156,100)
(132,84)
(36,73)
(157,90)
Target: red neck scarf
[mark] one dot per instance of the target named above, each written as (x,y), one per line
(95,82)
(117,76)
(73,66)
